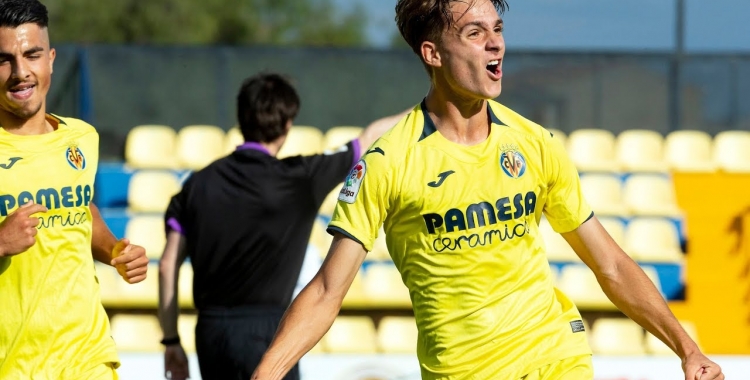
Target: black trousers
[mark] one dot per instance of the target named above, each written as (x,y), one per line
(231,342)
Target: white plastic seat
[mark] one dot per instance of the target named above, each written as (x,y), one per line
(351,335)
(397,335)
(732,152)
(617,336)
(556,247)
(302,140)
(593,150)
(151,147)
(151,190)
(232,140)
(650,195)
(640,150)
(199,145)
(653,240)
(383,285)
(690,151)
(579,283)
(136,333)
(603,192)
(148,232)
(340,135)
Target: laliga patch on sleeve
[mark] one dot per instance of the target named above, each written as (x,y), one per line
(577,326)
(353,182)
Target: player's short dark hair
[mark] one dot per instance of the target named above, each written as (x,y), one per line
(425,20)
(14,13)
(265,105)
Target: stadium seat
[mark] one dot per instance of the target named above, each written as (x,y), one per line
(144,294)
(139,333)
(731,151)
(320,238)
(690,151)
(640,150)
(383,286)
(186,328)
(579,283)
(185,286)
(656,347)
(593,150)
(653,240)
(199,145)
(351,335)
(397,335)
(650,195)
(329,203)
(604,193)
(151,190)
(558,250)
(232,140)
(302,140)
(340,135)
(617,336)
(148,232)
(559,135)
(151,147)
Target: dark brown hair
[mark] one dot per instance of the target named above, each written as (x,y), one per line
(265,105)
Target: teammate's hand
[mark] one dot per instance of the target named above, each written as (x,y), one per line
(18,230)
(130,260)
(176,363)
(698,367)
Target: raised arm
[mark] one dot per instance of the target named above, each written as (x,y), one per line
(374,130)
(313,311)
(628,287)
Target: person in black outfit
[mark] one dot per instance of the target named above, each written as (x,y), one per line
(245,221)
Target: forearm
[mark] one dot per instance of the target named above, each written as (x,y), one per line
(635,295)
(102,239)
(306,321)
(169,308)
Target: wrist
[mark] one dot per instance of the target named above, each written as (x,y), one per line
(171,341)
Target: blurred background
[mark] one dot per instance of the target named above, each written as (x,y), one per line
(651,98)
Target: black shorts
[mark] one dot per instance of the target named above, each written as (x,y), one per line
(231,342)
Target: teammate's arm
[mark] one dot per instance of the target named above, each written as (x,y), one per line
(625,283)
(18,230)
(129,259)
(313,311)
(377,128)
(175,360)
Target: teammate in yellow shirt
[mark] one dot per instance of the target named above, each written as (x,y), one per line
(460,186)
(53,323)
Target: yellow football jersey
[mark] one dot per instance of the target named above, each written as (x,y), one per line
(461,225)
(53,323)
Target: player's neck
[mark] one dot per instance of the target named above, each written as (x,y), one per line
(463,121)
(273,147)
(35,125)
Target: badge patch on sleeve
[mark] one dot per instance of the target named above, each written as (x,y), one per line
(577,326)
(353,182)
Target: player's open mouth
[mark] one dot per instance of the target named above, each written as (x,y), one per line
(22,91)
(493,67)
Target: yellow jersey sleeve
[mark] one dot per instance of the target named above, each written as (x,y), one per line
(566,209)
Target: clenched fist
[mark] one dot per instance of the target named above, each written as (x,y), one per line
(18,230)
(130,260)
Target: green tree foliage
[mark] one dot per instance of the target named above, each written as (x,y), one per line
(277,22)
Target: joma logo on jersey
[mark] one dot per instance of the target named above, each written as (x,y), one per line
(51,198)
(482,214)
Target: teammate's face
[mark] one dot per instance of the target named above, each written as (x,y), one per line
(471,51)
(25,69)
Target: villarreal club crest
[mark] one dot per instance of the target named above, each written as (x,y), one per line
(512,162)
(75,157)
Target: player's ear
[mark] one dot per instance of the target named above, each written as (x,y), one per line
(52,55)
(430,54)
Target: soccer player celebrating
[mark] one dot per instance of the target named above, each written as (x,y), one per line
(460,185)
(53,323)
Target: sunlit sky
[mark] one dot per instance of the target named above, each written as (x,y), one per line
(711,26)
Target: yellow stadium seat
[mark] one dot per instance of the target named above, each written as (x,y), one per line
(604,193)
(302,140)
(731,151)
(593,150)
(329,203)
(136,333)
(617,336)
(556,247)
(383,286)
(186,328)
(653,240)
(640,150)
(185,286)
(559,135)
(579,283)
(650,195)
(340,135)
(690,151)
(151,147)
(351,335)
(199,145)
(143,294)
(397,335)
(232,140)
(151,190)
(148,232)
